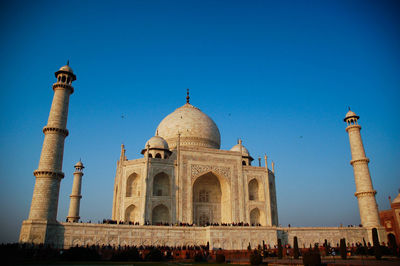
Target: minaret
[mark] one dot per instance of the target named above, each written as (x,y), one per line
(73,213)
(365,192)
(122,157)
(266,162)
(49,173)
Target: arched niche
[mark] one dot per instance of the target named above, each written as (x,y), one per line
(160,214)
(211,199)
(391,239)
(255,216)
(161,185)
(132,185)
(255,190)
(131,213)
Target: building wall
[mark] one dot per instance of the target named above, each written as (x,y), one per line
(65,235)
(311,235)
(186,175)
(159,170)
(390,219)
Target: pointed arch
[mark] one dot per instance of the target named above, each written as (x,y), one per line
(161,185)
(210,199)
(160,214)
(255,216)
(132,185)
(253,187)
(131,213)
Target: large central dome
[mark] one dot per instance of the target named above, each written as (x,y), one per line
(196,128)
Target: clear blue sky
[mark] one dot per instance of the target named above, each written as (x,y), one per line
(278,74)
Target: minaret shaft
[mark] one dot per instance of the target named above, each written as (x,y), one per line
(76,187)
(365,192)
(49,173)
(59,108)
(75,197)
(45,198)
(356,144)
(51,157)
(52,152)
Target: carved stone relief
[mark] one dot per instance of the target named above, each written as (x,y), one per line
(198,169)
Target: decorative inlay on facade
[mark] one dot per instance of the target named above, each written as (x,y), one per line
(192,141)
(159,170)
(198,169)
(250,177)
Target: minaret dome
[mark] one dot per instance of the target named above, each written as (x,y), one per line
(79,166)
(351,118)
(65,74)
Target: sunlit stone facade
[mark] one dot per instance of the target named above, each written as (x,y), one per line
(194,181)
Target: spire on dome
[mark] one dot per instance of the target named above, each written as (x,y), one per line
(187,96)
(196,128)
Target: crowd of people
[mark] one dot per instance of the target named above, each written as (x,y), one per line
(157,253)
(109,221)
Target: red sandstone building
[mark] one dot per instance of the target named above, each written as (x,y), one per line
(390,219)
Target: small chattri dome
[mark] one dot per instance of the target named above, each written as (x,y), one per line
(157,142)
(66,68)
(79,164)
(245,152)
(351,114)
(397,199)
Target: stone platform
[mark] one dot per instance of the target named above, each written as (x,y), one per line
(65,235)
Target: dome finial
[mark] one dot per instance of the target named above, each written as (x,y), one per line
(79,165)
(349,108)
(68,62)
(187,96)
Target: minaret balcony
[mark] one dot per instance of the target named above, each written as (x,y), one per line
(361,160)
(47,174)
(55,130)
(64,86)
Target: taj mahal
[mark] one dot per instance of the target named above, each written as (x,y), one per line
(181,177)
(184,177)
